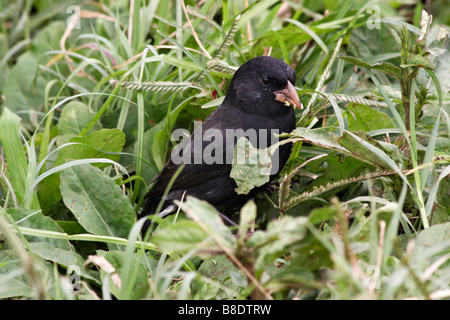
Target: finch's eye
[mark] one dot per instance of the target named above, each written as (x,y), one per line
(265,81)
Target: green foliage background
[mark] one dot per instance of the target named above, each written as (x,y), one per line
(91,92)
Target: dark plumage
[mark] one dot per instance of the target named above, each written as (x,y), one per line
(260,96)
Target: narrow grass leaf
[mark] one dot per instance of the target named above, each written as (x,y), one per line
(313,35)
(432,195)
(15,157)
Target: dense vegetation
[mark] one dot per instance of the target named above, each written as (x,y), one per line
(91,92)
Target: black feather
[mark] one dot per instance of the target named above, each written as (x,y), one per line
(249,104)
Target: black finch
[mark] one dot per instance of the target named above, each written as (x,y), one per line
(260,99)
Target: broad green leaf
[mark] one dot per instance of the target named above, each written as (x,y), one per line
(71,227)
(338,168)
(91,146)
(385,67)
(149,172)
(182,236)
(443,195)
(20,90)
(434,235)
(13,282)
(362,117)
(204,213)
(251,167)
(159,148)
(289,276)
(28,218)
(371,146)
(354,145)
(25,86)
(74,117)
(67,258)
(418,60)
(95,145)
(96,201)
(280,237)
(353,142)
(321,138)
(153,146)
(248,215)
(221,270)
(322,214)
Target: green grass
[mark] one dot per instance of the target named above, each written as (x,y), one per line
(87,108)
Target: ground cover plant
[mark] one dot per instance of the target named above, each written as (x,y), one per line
(92,91)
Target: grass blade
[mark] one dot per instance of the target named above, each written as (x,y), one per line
(313,35)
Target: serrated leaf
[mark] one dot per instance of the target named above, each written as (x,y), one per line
(338,168)
(418,60)
(207,215)
(251,167)
(182,236)
(354,145)
(362,117)
(96,201)
(225,273)
(279,237)
(330,141)
(385,67)
(320,138)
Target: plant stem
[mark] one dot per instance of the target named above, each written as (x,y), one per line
(405,83)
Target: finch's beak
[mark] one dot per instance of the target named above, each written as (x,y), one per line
(288,96)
